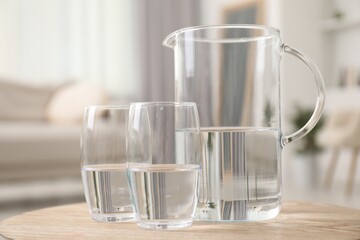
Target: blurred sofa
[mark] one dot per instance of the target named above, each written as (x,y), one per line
(40,128)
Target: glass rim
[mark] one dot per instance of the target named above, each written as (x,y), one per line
(164,103)
(170,39)
(109,107)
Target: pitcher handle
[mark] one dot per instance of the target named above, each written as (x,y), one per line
(320,97)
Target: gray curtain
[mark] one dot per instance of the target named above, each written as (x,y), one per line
(158,18)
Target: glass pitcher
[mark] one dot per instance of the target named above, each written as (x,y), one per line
(232,73)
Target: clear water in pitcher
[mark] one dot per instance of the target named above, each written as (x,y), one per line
(241,175)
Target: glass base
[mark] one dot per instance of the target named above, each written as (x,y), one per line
(239,210)
(116,217)
(165,225)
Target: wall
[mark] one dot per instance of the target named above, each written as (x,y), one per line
(212,11)
(56,40)
(301,30)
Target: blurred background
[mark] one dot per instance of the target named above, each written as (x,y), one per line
(57,56)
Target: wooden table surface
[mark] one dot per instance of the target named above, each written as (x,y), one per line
(296,221)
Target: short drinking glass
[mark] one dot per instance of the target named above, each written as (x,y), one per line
(163,163)
(103,163)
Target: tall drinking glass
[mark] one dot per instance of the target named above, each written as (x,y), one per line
(103,163)
(164,163)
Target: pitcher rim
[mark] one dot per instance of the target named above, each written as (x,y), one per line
(164,103)
(272,32)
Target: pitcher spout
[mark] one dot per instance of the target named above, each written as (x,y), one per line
(170,40)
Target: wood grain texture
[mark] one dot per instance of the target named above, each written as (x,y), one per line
(296,221)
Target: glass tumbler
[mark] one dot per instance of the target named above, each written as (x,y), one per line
(103,163)
(164,163)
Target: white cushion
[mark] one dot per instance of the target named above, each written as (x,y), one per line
(67,103)
(20,101)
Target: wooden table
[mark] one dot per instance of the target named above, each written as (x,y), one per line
(296,221)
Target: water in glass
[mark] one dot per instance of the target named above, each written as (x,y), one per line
(107,192)
(164,195)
